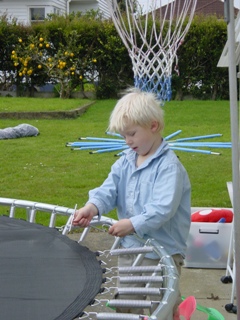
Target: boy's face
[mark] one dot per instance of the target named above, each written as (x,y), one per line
(143,140)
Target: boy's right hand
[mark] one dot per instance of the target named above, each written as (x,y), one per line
(84,215)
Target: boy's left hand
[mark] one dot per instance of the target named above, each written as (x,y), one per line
(121,228)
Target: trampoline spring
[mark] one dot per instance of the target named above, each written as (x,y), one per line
(105,290)
(83,315)
(60,229)
(120,316)
(117,252)
(70,220)
(106,280)
(141,279)
(110,290)
(102,302)
(120,303)
(144,269)
(103,253)
(106,225)
(102,290)
(110,270)
(141,291)
(93,302)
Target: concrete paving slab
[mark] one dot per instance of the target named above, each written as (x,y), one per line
(206,286)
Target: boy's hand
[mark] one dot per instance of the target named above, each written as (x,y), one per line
(121,228)
(83,216)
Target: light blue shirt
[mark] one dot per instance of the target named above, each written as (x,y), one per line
(156,197)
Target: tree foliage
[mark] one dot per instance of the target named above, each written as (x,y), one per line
(198,57)
(61,65)
(83,48)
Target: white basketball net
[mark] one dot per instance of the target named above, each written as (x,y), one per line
(152,31)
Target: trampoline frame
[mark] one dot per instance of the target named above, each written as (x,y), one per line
(170,276)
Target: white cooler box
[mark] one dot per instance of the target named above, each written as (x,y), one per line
(208,244)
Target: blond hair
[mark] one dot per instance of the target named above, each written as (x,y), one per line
(136,107)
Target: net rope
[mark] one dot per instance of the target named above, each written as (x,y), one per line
(152,34)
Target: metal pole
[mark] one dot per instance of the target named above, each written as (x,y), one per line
(234,116)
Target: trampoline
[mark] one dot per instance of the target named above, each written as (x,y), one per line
(46,275)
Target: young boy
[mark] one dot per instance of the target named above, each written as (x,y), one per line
(148,185)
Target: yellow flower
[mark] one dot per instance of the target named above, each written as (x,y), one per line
(41,39)
(20,40)
(39,66)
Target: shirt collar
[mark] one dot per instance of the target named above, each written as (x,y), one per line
(131,155)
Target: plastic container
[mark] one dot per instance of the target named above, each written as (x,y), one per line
(208,245)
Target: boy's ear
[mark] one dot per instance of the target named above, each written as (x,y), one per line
(154,126)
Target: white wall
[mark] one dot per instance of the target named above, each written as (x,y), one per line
(104,8)
(83,5)
(20,8)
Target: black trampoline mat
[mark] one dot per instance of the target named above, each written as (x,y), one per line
(44,274)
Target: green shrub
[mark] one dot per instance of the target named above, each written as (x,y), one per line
(97,40)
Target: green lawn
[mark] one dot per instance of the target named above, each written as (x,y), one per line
(8,104)
(43,169)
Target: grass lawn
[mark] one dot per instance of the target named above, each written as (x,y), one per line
(8,104)
(43,169)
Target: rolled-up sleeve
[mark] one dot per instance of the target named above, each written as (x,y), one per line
(105,196)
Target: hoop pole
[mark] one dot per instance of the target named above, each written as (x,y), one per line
(234,116)
(172,135)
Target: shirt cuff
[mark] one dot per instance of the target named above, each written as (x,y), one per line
(98,204)
(139,225)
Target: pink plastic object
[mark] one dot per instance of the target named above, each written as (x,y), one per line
(186,309)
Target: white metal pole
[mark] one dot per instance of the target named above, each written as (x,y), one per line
(234,117)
